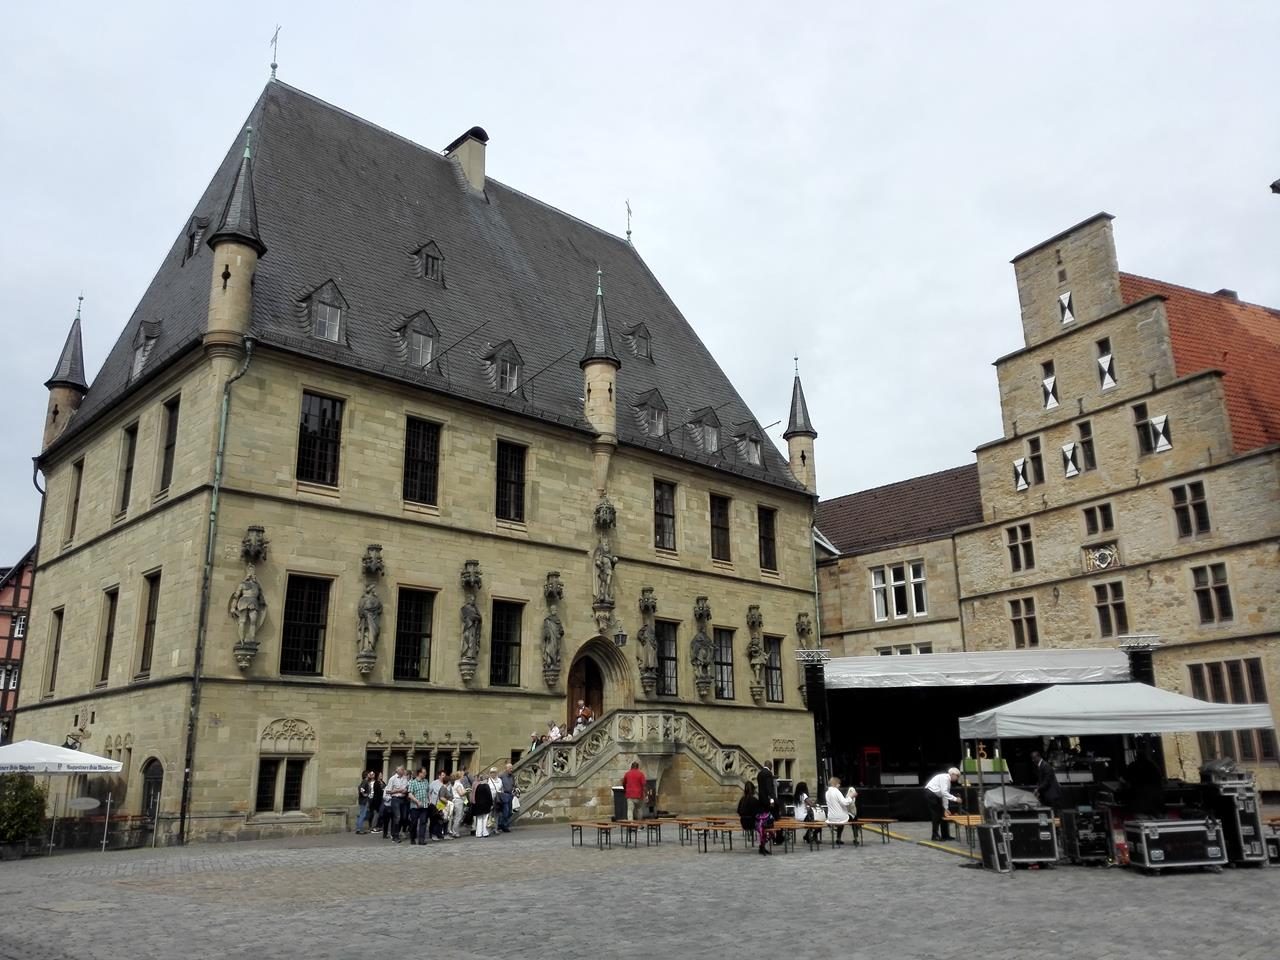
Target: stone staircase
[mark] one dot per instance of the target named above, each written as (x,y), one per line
(694,772)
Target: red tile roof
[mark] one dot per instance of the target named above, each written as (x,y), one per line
(1217,332)
(922,508)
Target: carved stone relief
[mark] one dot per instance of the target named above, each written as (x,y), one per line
(755,652)
(700,648)
(472,622)
(647,641)
(552,629)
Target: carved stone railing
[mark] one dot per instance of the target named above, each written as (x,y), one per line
(568,763)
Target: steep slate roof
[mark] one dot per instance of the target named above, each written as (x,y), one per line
(340,199)
(799,423)
(1218,332)
(599,342)
(922,508)
(70,369)
(240,216)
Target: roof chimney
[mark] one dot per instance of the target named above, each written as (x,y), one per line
(1226,294)
(468,150)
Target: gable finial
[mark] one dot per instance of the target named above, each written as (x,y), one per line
(79,301)
(628,221)
(796,358)
(248,137)
(275,40)
(599,281)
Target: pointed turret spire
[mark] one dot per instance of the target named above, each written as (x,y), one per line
(599,342)
(70,369)
(799,424)
(239,220)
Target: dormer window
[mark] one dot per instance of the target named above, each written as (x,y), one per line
(710,437)
(327,321)
(508,376)
(504,367)
(753,451)
(656,421)
(429,262)
(323,311)
(195,233)
(639,342)
(143,342)
(421,346)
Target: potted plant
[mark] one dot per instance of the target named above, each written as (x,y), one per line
(22,803)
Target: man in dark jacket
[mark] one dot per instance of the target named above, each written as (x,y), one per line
(364,796)
(1047,788)
(767,792)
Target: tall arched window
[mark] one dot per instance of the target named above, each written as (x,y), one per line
(152,786)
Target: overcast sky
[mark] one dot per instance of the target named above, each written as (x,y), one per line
(847,185)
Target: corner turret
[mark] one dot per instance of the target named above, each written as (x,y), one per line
(237,246)
(67,386)
(600,365)
(800,436)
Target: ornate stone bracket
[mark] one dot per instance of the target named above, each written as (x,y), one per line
(471,580)
(804,630)
(756,656)
(248,605)
(552,629)
(647,642)
(701,648)
(369,610)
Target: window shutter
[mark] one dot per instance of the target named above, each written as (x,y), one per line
(1161,434)
(1106,371)
(1070,465)
(1065,307)
(1020,474)
(1050,387)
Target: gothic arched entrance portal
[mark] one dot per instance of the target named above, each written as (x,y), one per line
(600,675)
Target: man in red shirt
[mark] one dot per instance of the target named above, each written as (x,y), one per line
(633,784)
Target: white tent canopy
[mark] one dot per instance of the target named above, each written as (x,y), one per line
(31,756)
(1111,708)
(978,669)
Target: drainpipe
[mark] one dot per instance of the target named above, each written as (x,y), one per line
(822,729)
(206,583)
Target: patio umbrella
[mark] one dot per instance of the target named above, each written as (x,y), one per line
(32,756)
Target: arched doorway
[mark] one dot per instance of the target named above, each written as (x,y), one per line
(601,675)
(586,683)
(152,782)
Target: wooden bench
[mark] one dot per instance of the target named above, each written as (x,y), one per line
(880,823)
(604,832)
(855,831)
(705,832)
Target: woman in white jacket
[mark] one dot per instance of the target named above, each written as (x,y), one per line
(837,809)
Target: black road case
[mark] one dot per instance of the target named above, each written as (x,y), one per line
(1032,837)
(995,851)
(1160,844)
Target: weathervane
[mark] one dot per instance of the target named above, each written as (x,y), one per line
(628,221)
(79,301)
(275,40)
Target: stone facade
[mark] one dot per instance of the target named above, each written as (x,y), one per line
(277,751)
(1101,507)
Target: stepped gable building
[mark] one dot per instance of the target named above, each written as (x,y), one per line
(372,477)
(1135,494)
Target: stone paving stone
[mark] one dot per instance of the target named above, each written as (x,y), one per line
(528,894)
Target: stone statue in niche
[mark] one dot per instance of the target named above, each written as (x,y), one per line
(646,648)
(552,637)
(604,561)
(248,607)
(755,646)
(700,648)
(369,619)
(471,623)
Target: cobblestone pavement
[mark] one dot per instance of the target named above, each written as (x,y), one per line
(529,895)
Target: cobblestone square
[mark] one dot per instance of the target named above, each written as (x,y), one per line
(528,894)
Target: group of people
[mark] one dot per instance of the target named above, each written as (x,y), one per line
(431,810)
(582,718)
(758,809)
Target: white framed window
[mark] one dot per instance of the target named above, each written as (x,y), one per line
(421,348)
(1020,481)
(710,437)
(1106,364)
(508,376)
(430,266)
(140,354)
(326,321)
(1066,307)
(655,421)
(1048,385)
(1154,433)
(899,591)
(20,626)
(753,451)
(1070,460)
(919,602)
(904,649)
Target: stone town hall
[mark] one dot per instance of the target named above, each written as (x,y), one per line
(370,478)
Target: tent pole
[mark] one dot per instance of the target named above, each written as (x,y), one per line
(106,825)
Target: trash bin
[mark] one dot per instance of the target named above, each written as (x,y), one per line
(619,803)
